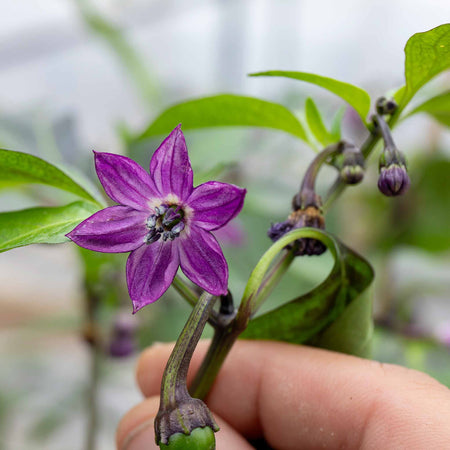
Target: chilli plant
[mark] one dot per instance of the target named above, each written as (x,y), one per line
(166,223)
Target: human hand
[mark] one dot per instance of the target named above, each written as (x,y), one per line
(300,397)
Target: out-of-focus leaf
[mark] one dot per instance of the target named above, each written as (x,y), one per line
(337,314)
(129,58)
(214,173)
(18,168)
(336,124)
(422,217)
(225,110)
(358,98)
(438,107)
(426,55)
(41,225)
(315,123)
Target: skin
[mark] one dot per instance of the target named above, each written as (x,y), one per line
(300,397)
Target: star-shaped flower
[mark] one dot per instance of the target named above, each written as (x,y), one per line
(162,220)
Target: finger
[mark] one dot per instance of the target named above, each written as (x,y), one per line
(299,395)
(136,431)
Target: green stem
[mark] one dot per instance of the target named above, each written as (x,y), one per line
(222,342)
(173,386)
(191,297)
(185,291)
(272,279)
(307,195)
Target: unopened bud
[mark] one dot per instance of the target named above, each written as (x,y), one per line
(300,218)
(351,163)
(394,179)
(386,106)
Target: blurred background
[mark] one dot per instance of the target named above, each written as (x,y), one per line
(82,75)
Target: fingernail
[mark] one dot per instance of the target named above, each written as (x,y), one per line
(141,438)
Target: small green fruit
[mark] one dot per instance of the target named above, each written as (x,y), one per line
(199,439)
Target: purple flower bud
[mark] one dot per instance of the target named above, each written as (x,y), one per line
(394,180)
(123,342)
(278,229)
(308,217)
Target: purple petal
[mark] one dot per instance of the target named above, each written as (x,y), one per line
(202,261)
(115,229)
(170,166)
(150,271)
(215,204)
(125,181)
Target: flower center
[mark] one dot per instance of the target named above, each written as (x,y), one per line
(167,222)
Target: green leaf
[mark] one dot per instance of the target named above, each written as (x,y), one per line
(358,98)
(426,55)
(19,168)
(47,225)
(225,110)
(337,124)
(214,173)
(438,107)
(333,315)
(315,123)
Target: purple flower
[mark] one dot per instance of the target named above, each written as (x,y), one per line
(163,220)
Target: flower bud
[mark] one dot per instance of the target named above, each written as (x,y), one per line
(309,217)
(300,218)
(351,163)
(185,418)
(199,439)
(123,341)
(386,106)
(394,179)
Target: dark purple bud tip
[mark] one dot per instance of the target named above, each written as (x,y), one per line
(199,439)
(308,217)
(394,180)
(386,106)
(183,419)
(278,229)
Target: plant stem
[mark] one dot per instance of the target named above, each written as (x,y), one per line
(272,279)
(222,342)
(191,297)
(173,386)
(92,340)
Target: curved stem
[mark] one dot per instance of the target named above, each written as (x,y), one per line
(383,128)
(306,195)
(272,279)
(173,386)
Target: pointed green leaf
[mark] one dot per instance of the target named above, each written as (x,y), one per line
(19,168)
(315,123)
(47,225)
(438,107)
(336,124)
(426,55)
(222,111)
(327,309)
(358,98)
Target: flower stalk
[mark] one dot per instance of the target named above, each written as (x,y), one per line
(179,412)
(394,179)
